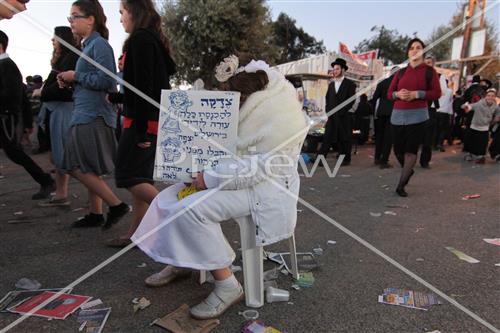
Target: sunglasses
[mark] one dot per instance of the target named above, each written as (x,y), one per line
(23,1)
(72,18)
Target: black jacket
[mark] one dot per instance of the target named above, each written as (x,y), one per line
(11,88)
(347,89)
(340,122)
(384,105)
(51,90)
(148,67)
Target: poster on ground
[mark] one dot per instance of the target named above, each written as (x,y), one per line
(17,296)
(93,321)
(196,129)
(408,298)
(61,307)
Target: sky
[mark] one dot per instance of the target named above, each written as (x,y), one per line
(331,21)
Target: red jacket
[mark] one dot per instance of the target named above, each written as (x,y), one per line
(413,79)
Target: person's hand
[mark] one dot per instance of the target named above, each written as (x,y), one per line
(64,78)
(199,182)
(402,94)
(37,93)
(144,145)
(412,95)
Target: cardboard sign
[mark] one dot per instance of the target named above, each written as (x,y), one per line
(196,129)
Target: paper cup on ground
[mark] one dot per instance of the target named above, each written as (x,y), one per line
(277,295)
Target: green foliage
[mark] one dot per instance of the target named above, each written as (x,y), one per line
(203,32)
(293,42)
(390,43)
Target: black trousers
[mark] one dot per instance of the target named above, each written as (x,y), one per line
(329,139)
(15,153)
(443,121)
(429,135)
(383,138)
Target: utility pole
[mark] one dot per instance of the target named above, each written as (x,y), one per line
(468,32)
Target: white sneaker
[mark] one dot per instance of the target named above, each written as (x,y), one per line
(217,303)
(167,275)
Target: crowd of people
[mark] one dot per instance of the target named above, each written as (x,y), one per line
(413,110)
(78,117)
(78,122)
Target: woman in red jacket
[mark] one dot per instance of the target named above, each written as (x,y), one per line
(411,89)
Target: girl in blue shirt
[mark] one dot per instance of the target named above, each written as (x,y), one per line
(91,146)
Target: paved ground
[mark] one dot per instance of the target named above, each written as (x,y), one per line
(344,296)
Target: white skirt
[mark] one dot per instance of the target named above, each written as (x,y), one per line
(187,233)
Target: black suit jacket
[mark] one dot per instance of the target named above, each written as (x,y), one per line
(334,98)
(11,87)
(339,125)
(385,105)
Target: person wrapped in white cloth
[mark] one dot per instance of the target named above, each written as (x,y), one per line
(260,181)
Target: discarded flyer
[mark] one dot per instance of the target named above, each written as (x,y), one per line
(141,304)
(91,304)
(94,319)
(462,256)
(494,241)
(61,307)
(306,280)
(408,298)
(17,296)
(471,196)
(180,321)
(305,261)
(255,326)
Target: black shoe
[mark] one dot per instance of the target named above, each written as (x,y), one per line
(377,162)
(115,214)
(401,192)
(89,221)
(425,165)
(45,191)
(385,165)
(441,149)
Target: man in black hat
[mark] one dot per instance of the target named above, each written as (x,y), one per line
(338,128)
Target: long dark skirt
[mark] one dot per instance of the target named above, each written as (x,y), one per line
(476,142)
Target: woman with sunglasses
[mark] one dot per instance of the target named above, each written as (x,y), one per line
(91,146)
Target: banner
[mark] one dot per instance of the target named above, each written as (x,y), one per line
(196,129)
(360,65)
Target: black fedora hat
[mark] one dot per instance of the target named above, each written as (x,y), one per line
(341,62)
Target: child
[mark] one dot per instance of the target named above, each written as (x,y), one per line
(476,138)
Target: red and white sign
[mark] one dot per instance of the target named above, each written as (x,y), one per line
(59,308)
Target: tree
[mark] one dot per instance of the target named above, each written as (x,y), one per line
(203,32)
(293,42)
(390,43)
